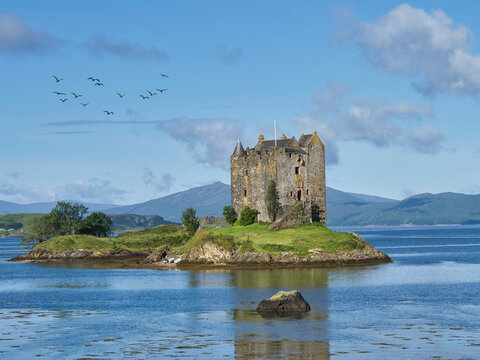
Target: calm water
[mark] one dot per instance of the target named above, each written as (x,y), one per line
(424,305)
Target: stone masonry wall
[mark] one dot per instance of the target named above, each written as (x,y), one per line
(299,175)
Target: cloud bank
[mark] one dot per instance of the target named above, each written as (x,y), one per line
(209,141)
(16,38)
(427,47)
(94,190)
(374,121)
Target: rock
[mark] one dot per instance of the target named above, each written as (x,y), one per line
(284,302)
(155,256)
(208,253)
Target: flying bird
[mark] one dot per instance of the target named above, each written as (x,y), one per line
(98,84)
(144,97)
(97,80)
(63,100)
(151,94)
(91,78)
(84,104)
(76,96)
(161,90)
(57,79)
(108,112)
(121,95)
(58,93)
(164,75)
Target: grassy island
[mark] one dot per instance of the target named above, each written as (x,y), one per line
(255,244)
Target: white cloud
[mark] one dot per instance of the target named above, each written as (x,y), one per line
(210,141)
(17,38)
(94,190)
(375,121)
(426,140)
(428,47)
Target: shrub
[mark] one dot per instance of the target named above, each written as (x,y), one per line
(248,216)
(229,214)
(190,220)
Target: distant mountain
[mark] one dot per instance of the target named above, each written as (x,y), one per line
(206,200)
(422,209)
(7,207)
(343,208)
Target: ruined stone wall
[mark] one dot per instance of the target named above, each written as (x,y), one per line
(315,180)
(290,185)
(251,175)
(237,181)
(298,176)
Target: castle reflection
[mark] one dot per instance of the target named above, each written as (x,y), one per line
(303,336)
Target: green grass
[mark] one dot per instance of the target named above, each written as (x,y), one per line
(170,235)
(299,240)
(252,238)
(202,236)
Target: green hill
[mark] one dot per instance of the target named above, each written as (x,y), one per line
(422,209)
(207,200)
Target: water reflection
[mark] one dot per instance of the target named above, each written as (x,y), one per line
(302,336)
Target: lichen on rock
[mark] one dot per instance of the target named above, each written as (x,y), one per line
(284,302)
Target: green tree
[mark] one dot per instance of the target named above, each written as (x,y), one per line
(190,220)
(229,214)
(40,229)
(248,216)
(68,217)
(97,224)
(271,200)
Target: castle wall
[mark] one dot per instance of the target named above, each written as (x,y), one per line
(298,176)
(315,181)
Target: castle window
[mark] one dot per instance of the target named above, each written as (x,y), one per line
(299,194)
(307,192)
(296,170)
(246,172)
(244,193)
(290,155)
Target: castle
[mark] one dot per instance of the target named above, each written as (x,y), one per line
(296,166)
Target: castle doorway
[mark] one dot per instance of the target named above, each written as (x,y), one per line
(299,195)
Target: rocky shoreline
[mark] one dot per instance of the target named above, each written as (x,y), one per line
(209,254)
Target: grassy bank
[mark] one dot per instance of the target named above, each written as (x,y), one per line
(301,240)
(171,235)
(298,240)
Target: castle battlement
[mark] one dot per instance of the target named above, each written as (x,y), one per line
(296,166)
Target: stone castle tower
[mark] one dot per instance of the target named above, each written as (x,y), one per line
(296,166)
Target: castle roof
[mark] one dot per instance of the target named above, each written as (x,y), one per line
(304,139)
(239,150)
(307,139)
(271,143)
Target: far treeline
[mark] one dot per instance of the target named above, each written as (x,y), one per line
(67,219)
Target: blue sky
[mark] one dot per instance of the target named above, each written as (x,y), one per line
(392,89)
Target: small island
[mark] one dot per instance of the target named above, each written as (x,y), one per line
(304,245)
(277,217)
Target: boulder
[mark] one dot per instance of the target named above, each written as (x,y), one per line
(284,302)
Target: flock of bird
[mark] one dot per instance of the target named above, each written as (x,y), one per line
(97,82)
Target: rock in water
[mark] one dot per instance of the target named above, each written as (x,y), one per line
(284,302)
